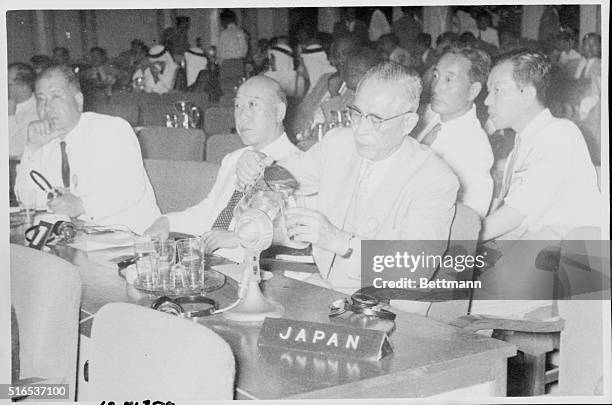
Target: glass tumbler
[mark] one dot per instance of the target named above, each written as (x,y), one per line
(166,257)
(191,258)
(147,263)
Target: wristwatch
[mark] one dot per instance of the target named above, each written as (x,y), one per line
(349,251)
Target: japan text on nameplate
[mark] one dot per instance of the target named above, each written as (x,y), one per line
(332,339)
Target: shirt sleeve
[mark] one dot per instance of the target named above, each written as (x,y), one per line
(191,220)
(118,178)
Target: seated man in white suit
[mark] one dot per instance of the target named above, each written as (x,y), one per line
(373,181)
(259,112)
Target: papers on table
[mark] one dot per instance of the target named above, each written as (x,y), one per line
(101,241)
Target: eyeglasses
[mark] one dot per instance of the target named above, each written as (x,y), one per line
(356,115)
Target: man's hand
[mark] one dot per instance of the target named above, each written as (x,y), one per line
(41,132)
(250,165)
(67,204)
(219,239)
(160,229)
(12,107)
(306,225)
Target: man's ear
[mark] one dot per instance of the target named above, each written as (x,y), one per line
(475,89)
(529,95)
(281,110)
(409,121)
(79,99)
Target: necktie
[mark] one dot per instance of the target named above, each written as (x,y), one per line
(225,216)
(65,166)
(507,177)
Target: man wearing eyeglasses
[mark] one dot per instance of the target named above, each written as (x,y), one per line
(373,181)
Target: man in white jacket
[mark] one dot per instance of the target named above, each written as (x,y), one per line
(259,112)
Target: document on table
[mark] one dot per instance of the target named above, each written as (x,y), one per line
(102,241)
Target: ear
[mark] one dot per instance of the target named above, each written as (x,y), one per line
(529,95)
(475,89)
(281,110)
(409,121)
(79,99)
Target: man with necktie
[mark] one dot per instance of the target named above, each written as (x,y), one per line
(549,188)
(550,184)
(373,181)
(259,111)
(94,159)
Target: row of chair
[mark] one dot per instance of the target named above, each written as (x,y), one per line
(132,351)
(186,144)
(216,119)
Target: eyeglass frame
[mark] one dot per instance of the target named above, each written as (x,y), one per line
(376,125)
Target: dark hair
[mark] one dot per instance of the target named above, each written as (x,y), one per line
(394,39)
(100,50)
(480,62)
(181,19)
(447,36)
(424,39)
(61,49)
(64,71)
(529,68)
(227,17)
(26,74)
(363,54)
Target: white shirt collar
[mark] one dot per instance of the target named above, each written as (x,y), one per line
(534,126)
(277,149)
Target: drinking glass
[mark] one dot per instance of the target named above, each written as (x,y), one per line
(191,259)
(166,255)
(147,263)
(293,200)
(27,202)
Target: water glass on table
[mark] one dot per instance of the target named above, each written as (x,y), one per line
(191,259)
(166,256)
(27,203)
(147,263)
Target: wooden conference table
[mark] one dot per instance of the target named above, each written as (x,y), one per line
(430,358)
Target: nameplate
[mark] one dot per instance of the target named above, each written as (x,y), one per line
(332,339)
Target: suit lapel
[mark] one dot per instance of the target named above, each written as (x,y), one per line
(386,195)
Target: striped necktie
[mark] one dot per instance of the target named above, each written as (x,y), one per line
(225,216)
(65,165)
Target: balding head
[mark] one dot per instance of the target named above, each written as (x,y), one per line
(259,110)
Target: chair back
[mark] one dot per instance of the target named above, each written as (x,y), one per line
(137,352)
(219,120)
(46,297)
(217,146)
(172,143)
(585,258)
(134,98)
(128,112)
(199,99)
(180,184)
(154,114)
